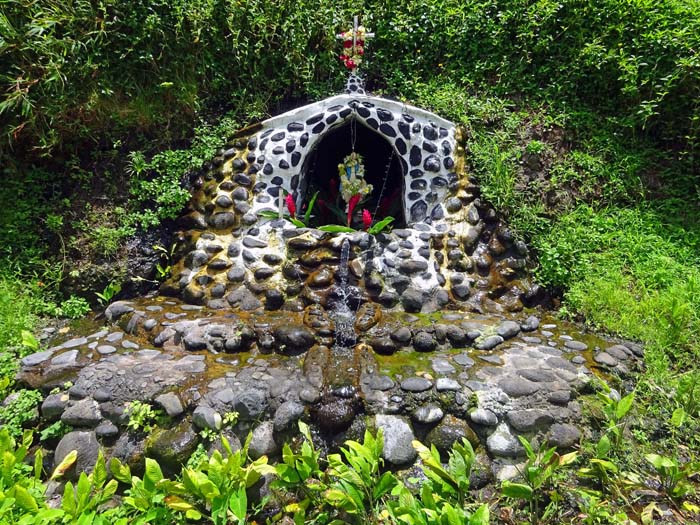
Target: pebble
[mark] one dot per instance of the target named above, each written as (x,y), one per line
(464,360)
(416,384)
(576,345)
(446,384)
(487,343)
(605,359)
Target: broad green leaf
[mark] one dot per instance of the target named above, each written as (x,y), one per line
(377,228)
(678,417)
(385,484)
(336,228)
(516,490)
(238,504)
(120,471)
(603,446)
(24,498)
(660,463)
(67,463)
(297,222)
(481,516)
(624,405)
(153,471)
(178,504)
(29,341)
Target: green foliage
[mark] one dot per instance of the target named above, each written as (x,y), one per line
(142,416)
(538,474)
(106,296)
(21,409)
(74,307)
(357,482)
(673,476)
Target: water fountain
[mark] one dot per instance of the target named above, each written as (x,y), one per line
(422,330)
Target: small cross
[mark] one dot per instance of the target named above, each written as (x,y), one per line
(353,54)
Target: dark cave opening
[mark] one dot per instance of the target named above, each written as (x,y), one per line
(382,170)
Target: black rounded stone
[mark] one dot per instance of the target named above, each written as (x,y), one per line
(416,156)
(277,181)
(294,182)
(331,119)
(274,191)
(401,146)
(448,163)
(318,128)
(254,168)
(268,169)
(430,133)
(283,164)
(437,213)
(419,184)
(363,112)
(416,173)
(384,115)
(224,201)
(419,210)
(429,147)
(278,150)
(313,120)
(303,140)
(432,163)
(253,143)
(345,112)
(405,130)
(296,157)
(387,130)
(372,123)
(446,148)
(239,164)
(262,145)
(295,126)
(291,144)
(443,132)
(414,195)
(259,186)
(266,133)
(438,182)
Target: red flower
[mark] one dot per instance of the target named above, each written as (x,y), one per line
(352,203)
(290,205)
(366,219)
(343,58)
(347,43)
(350,64)
(360,51)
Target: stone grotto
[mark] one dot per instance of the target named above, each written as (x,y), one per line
(427,330)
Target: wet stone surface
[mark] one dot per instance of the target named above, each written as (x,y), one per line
(274,368)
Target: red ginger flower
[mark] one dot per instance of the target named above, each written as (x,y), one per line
(352,204)
(290,205)
(366,219)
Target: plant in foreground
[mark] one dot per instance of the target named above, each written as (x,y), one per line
(538,473)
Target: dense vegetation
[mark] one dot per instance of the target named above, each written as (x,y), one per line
(584,126)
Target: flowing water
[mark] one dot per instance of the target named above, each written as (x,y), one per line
(343,315)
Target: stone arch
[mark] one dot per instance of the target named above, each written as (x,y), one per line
(425,145)
(383,170)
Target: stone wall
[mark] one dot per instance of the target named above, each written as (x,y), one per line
(453,251)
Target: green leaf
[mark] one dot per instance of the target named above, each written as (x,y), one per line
(307,214)
(24,498)
(238,503)
(516,491)
(376,228)
(269,214)
(624,405)
(297,222)
(153,471)
(29,341)
(481,516)
(660,463)
(119,471)
(336,228)
(678,417)
(384,485)
(67,463)
(603,446)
